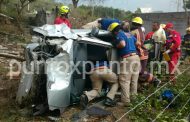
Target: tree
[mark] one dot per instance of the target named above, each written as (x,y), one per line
(138,11)
(75,3)
(186,4)
(3,3)
(20,6)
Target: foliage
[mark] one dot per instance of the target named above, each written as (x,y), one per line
(100,11)
(15,7)
(76,2)
(2,3)
(138,11)
(186,3)
(45,4)
(85,14)
(150,109)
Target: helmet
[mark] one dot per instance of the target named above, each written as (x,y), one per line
(169,25)
(188,29)
(163,25)
(137,20)
(64,10)
(113,26)
(167,95)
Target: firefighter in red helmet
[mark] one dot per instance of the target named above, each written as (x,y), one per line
(173,50)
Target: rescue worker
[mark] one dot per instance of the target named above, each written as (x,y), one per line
(63,18)
(149,36)
(105,22)
(125,25)
(129,65)
(173,44)
(136,30)
(186,43)
(159,38)
(101,73)
(149,45)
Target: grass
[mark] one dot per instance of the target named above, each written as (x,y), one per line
(149,110)
(10,111)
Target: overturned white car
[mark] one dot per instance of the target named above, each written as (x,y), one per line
(54,73)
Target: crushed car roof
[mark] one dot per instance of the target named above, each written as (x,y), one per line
(61,30)
(81,35)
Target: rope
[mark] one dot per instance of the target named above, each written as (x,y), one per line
(182,109)
(170,103)
(149,96)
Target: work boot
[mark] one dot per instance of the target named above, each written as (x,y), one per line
(83,101)
(109,102)
(156,82)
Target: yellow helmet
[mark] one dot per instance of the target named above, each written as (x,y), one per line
(163,25)
(113,26)
(64,10)
(137,20)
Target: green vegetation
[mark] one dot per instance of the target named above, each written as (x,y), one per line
(85,14)
(186,3)
(79,16)
(152,107)
(100,11)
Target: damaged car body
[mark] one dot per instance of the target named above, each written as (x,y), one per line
(49,76)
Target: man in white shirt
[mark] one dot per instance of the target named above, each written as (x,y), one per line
(159,38)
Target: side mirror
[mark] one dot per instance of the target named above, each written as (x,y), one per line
(94,31)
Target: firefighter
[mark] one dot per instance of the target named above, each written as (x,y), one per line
(63,18)
(125,25)
(186,43)
(149,36)
(173,44)
(105,22)
(129,64)
(137,31)
(149,45)
(101,73)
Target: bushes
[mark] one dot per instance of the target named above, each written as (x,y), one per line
(100,11)
(149,110)
(84,14)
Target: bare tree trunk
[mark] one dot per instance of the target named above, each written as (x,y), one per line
(75,3)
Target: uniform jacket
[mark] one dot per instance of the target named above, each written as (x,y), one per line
(174,42)
(159,36)
(60,20)
(142,51)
